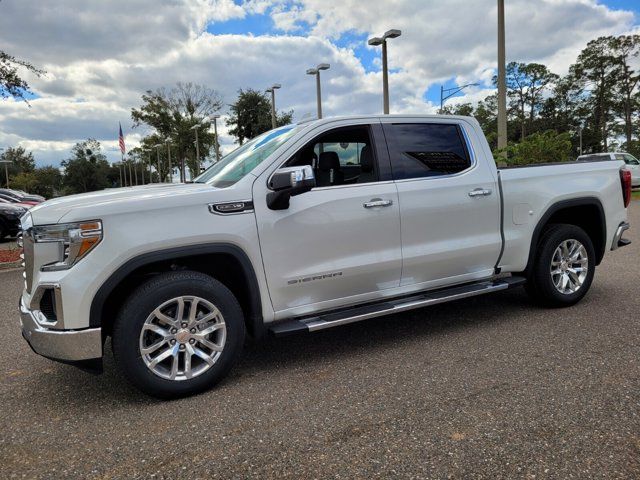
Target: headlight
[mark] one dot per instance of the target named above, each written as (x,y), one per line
(76,241)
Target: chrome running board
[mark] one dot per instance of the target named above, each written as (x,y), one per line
(357,314)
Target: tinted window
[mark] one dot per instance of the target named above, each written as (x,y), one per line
(426,150)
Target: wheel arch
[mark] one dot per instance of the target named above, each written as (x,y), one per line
(585,212)
(227,263)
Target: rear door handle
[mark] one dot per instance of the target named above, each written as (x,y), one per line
(377,202)
(480,192)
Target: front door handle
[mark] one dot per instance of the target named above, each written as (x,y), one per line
(377,202)
(480,192)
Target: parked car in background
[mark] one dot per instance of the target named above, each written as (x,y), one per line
(17,204)
(22,196)
(631,163)
(10,219)
(16,199)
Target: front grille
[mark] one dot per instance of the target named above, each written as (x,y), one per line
(27,263)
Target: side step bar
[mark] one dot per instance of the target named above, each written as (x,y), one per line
(334,319)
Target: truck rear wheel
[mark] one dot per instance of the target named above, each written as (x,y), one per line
(563,267)
(178,334)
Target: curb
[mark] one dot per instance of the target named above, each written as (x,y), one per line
(11,265)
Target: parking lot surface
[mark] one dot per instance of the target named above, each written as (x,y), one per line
(489,387)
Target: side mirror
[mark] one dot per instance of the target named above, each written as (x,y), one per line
(288,182)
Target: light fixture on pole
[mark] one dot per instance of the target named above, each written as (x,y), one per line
(446,93)
(215,133)
(376,41)
(272,90)
(157,146)
(316,72)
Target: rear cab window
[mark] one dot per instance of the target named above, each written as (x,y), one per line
(421,150)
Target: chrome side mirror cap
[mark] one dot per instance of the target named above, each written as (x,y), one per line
(288,182)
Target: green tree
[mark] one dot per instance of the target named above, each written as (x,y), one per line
(20,160)
(45,181)
(250,115)
(625,49)
(11,83)
(173,114)
(526,85)
(540,147)
(597,70)
(88,169)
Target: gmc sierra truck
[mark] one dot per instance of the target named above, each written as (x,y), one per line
(307,227)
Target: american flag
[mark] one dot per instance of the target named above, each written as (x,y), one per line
(121,140)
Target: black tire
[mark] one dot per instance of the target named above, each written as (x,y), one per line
(139,306)
(3,230)
(540,284)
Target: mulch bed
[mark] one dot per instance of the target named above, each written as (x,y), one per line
(9,256)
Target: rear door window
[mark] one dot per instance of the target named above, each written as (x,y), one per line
(421,150)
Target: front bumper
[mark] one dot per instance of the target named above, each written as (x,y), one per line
(62,345)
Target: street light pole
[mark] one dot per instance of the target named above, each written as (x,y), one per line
(157,147)
(215,133)
(446,93)
(376,41)
(150,172)
(169,160)
(316,72)
(502,83)
(6,169)
(195,128)
(272,89)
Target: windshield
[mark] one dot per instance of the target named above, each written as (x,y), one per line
(244,159)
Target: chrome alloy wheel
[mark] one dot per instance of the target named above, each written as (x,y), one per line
(182,338)
(569,266)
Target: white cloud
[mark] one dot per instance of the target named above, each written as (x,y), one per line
(100,56)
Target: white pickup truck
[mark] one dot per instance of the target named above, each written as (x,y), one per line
(307,227)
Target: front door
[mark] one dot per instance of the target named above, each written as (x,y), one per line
(339,242)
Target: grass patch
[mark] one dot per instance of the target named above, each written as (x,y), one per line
(635,195)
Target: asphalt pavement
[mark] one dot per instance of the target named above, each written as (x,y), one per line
(489,387)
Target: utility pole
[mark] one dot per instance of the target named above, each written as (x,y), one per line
(502,83)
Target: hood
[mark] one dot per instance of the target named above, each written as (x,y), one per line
(87,206)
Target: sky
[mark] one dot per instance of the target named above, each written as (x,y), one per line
(100,56)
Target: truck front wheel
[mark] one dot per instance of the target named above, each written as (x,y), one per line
(563,267)
(178,334)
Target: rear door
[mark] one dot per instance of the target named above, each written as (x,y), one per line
(449,202)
